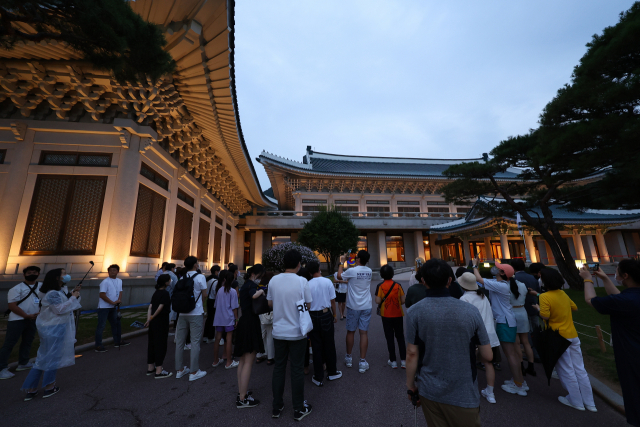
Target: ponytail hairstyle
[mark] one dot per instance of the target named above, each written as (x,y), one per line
(513,286)
(258,270)
(480,292)
(228,280)
(221,277)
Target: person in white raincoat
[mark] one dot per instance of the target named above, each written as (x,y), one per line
(57,332)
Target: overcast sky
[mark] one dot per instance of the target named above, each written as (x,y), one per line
(403,78)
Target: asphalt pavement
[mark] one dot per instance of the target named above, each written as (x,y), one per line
(112,389)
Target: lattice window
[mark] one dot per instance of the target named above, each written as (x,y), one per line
(204,211)
(185,198)
(229,227)
(64,217)
(182,234)
(149,223)
(217,244)
(218,220)
(153,176)
(203,240)
(227,248)
(60,158)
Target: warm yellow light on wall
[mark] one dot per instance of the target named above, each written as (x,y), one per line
(487,265)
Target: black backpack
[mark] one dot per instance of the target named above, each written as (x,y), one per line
(183,300)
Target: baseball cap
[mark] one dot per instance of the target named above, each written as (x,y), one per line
(508,270)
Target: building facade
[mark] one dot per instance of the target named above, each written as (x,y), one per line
(134,174)
(401,214)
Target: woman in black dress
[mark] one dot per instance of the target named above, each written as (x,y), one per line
(248,335)
(158,324)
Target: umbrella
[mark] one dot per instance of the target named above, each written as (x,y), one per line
(550,345)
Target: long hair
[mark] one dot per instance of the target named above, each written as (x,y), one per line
(513,286)
(225,279)
(221,277)
(51,281)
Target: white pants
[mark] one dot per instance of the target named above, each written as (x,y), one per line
(267,338)
(574,377)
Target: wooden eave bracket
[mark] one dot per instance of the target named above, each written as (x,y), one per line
(19,130)
(128,127)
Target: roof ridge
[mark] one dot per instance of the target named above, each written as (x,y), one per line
(281,159)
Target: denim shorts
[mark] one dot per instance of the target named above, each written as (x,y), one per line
(358,319)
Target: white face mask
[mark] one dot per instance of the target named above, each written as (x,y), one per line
(257,281)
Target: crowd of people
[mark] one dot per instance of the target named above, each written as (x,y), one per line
(451,319)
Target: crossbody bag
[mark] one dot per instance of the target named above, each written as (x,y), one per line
(385,298)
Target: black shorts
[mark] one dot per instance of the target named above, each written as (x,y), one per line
(341,297)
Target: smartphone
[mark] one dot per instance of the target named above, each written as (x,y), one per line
(593,266)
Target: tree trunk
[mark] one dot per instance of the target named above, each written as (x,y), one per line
(331,261)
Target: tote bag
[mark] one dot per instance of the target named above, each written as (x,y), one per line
(305,318)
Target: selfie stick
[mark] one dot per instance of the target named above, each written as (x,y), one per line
(76,313)
(85,276)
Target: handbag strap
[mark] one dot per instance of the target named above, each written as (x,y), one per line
(388,292)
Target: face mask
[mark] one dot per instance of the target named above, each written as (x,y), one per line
(31,277)
(257,281)
(66,279)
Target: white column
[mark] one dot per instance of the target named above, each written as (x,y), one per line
(123,208)
(436,251)
(618,244)
(170,212)
(602,248)
(382,247)
(212,230)
(487,248)
(239,247)
(465,250)
(195,228)
(551,260)
(223,244)
(528,240)
(577,244)
(504,246)
(257,259)
(419,243)
(592,248)
(14,183)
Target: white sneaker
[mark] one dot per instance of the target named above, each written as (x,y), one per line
(363,367)
(394,365)
(182,373)
(591,408)
(491,398)
(348,361)
(513,389)
(525,387)
(565,401)
(336,376)
(403,364)
(221,341)
(5,374)
(234,364)
(26,367)
(220,362)
(197,375)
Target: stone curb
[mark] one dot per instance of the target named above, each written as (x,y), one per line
(605,393)
(90,346)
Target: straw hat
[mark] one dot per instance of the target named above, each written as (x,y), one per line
(468,282)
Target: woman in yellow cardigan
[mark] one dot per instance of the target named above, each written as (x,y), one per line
(556,307)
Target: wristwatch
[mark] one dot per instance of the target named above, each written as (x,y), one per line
(475,266)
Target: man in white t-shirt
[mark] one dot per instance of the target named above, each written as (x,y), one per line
(323,315)
(359,303)
(191,322)
(285,290)
(108,304)
(24,307)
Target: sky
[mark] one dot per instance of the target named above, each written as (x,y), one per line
(403,78)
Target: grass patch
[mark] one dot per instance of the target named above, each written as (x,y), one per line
(86,330)
(602,364)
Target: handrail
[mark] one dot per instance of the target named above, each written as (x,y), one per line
(309,214)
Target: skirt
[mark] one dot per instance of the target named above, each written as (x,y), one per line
(248,335)
(522,320)
(341,297)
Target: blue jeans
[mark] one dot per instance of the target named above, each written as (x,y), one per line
(33,379)
(110,314)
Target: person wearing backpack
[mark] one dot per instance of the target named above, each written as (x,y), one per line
(23,312)
(390,298)
(212,281)
(187,298)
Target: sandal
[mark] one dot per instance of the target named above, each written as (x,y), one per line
(270,362)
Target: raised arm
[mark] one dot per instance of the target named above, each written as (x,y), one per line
(476,270)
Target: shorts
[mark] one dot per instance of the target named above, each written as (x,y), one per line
(506,333)
(358,319)
(341,297)
(224,328)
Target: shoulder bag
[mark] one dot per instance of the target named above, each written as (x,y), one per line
(385,298)
(260,305)
(306,325)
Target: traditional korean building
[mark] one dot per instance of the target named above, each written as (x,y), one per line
(92,170)
(397,206)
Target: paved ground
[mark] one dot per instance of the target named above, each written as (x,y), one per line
(112,389)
